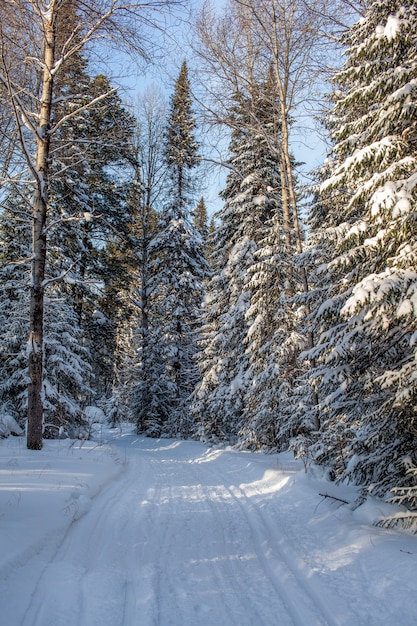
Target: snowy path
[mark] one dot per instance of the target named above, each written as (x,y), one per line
(188,535)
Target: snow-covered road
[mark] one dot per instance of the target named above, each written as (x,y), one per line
(190,535)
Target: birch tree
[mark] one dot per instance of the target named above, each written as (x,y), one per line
(276,42)
(32,57)
(134,356)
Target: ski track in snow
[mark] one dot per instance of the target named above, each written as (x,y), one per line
(187,536)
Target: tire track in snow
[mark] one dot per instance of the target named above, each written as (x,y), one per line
(68,569)
(225,564)
(92,567)
(175,541)
(243,586)
(193,582)
(283,568)
(278,565)
(238,567)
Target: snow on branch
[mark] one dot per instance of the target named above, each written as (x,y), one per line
(75,112)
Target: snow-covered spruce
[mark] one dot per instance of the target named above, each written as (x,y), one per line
(367,348)
(167,368)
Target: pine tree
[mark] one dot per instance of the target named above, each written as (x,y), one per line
(130,284)
(367,346)
(67,376)
(181,146)
(135,365)
(273,339)
(303,414)
(14,304)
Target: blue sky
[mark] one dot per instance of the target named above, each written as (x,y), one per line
(306,143)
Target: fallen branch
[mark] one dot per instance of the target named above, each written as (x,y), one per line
(326,495)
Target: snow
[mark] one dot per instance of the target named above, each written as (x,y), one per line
(99,317)
(259,200)
(94,415)
(389,197)
(8,425)
(236,384)
(405,309)
(392,28)
(137,532)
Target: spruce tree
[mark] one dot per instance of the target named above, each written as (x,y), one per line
(367,348)
(136,363)
(67,368)
(178,269)
(273,339)
(14,304)
(89,210)
(200,223)
(250,203)
(130,284)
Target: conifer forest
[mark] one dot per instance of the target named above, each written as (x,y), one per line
(282,318)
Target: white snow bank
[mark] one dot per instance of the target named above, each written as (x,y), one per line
(43,492)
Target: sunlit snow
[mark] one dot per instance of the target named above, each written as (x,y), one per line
(392,27)
(131,531)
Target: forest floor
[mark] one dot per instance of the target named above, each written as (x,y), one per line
(129,531)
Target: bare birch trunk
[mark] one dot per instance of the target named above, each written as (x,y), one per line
(289,198)
(298,239)
(40,205)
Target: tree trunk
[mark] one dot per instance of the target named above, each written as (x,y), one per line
(40,204)
(289,199)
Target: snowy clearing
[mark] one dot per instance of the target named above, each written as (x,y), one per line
(140,532)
